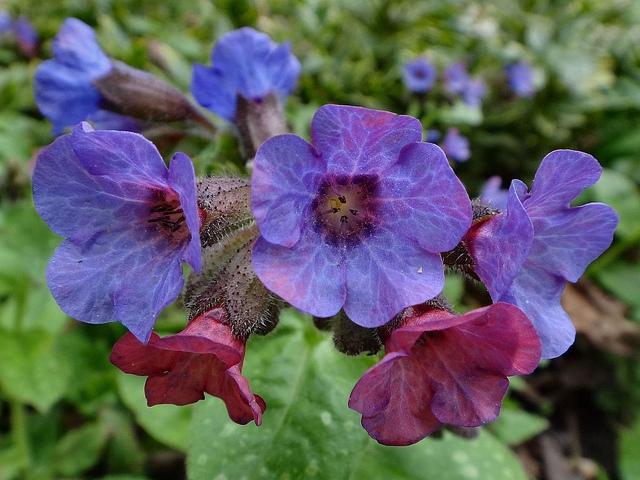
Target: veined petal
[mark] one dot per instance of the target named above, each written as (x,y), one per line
(422,199)
(286,174)
(355,140)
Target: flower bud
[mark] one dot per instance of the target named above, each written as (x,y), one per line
(259,120)
(139,94)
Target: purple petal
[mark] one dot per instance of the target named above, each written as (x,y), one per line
(91,179)
(421,199)
(128,276)
(283,68)
(355,140)
(538,295)
(387,273)
(310,275)
(456,146)
(285,179)
(567,239)
(493,195)
(182,179)
(500,245)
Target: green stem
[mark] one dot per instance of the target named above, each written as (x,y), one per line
(21,436)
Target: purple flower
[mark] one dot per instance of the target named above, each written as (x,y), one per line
(358,219)
(128,223)
(493,195)
(520,78)
(419,75)
(455,78)
(440,368)
(456,146)
(526,255)
(64,89)
(247,63)
(474,92)
(26,36)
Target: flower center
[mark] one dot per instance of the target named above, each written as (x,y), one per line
(344,208)
(167,216)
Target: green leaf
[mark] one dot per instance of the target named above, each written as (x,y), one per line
(622,194)
(34,369)
(515,426)
(80,449)
(622,280)
(309,432)
(168,424)
(448,458)
(630,452)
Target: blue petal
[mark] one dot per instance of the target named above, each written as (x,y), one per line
(286,174)
(128,276)
(63,86)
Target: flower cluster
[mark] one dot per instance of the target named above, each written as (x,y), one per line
(355,226)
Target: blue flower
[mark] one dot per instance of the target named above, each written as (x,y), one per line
(456,146)
(246,63)
(419,75)
(128,222)
(455,78)
(474,92)
(64,89)
(26,36)
(520,78)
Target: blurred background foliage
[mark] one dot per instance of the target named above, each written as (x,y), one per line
(65,412)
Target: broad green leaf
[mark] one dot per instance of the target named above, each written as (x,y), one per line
(80,448)
(168,424)
(515,426)
(309,432)
(622,280)
(448,458)
(34,369)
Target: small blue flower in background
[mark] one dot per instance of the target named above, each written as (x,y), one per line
(455,78)
(26,36)
(419,75)
(5,23)
(474,92)
(63,86)
(520,78)
(128,222)
(493,195)
(433,135)
(456,146)
(248,63)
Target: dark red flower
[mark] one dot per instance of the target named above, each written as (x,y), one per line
(441,368)
(204,357)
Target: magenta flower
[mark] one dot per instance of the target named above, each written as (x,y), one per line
(248,63)
(440,368)
(205,357)
(358,219)
(128,221)
(527,254)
